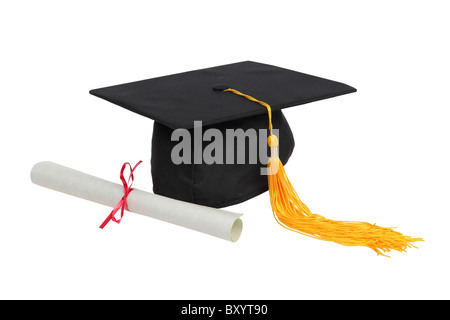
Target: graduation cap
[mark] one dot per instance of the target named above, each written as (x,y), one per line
(242,97)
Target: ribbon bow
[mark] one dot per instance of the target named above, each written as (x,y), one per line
(122,205)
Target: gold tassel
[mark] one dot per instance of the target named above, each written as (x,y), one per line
(291,213)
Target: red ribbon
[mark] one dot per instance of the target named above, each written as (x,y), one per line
(123,202)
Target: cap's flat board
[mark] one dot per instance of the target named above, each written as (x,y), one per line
(180,99)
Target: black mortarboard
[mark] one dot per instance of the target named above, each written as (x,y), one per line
(176,101)
(240,96)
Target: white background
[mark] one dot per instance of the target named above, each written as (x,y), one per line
(380,155)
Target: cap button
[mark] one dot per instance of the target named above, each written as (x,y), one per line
(220,87)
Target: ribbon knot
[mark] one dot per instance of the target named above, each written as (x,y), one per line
(122,205)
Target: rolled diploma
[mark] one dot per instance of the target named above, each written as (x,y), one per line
(219,223)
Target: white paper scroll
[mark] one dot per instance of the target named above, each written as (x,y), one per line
(219,223)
